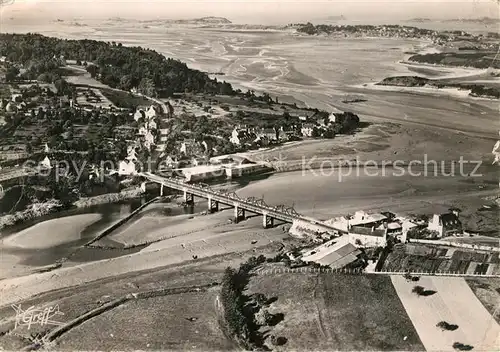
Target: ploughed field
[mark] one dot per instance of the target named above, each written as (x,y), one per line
(337,312)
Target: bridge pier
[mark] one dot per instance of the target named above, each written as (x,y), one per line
(267,221)
(188,198)
(213,205)
(239,214)
(161,190)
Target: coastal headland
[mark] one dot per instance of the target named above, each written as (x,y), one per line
(166,266)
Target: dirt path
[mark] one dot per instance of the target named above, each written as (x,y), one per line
(453,302)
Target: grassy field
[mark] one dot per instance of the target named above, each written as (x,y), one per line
(488,293)
(154,323)
(124,99)
(337,312)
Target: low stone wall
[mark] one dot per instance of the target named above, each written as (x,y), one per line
(308,270)
(456,244)
(121,222)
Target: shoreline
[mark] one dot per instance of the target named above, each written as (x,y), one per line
(9,220)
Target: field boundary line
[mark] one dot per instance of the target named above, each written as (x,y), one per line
(305,270)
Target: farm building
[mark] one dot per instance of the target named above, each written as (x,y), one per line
(446,224)
(335,254)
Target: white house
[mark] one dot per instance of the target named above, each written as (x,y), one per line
(45,163)
(143,131)
(16,98)
(132,156)
(237,136)
(151,125)
(188,147)
(446,224)
(365,237)
(138,114)
(126,168)
(151,112)
(9,107)
(149,140)
(332,118)
(46,148)
(307,129)
(164,132)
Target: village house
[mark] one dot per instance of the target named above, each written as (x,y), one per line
(190,147)
(131,153)
(360,218)
(197,161)
(9,107)
(270,134)
(149,140)
(336,253)
(367,237)
(126,168)
(446,224)
(151,125)
(307,129)
(45,163)
(241,136)
(164,132)
(151,113)
(138,114)
(142,131)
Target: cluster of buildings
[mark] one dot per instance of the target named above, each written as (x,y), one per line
(365,230)
(148,125)
(373,229)
(308,126)
(311,125)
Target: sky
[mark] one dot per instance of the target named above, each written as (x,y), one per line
(249,11)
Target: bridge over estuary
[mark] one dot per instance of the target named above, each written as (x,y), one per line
(251,204)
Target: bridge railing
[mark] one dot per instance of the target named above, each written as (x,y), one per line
(279,211)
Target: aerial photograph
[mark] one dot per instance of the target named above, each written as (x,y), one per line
(261,175)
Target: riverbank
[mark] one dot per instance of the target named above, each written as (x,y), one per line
(38,210)
(43,235)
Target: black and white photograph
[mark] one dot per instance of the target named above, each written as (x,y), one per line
(250,175)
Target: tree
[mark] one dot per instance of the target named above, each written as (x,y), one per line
(445,326)
(278,341)
(61,86)
(315,132)
(462,347)
(260,299)
(126,82)
(420,291)
(147,87)
(11,73)
(263,317)
(93,70)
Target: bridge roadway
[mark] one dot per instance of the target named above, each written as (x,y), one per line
(257,206)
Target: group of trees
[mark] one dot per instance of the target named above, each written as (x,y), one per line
(113,64)
(311,29)
(243,319)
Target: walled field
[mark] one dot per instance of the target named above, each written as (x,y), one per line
(453,302)
(153,324)
(337,312)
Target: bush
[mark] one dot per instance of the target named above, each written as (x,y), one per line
(278,341)
(445,326)
(462,347)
